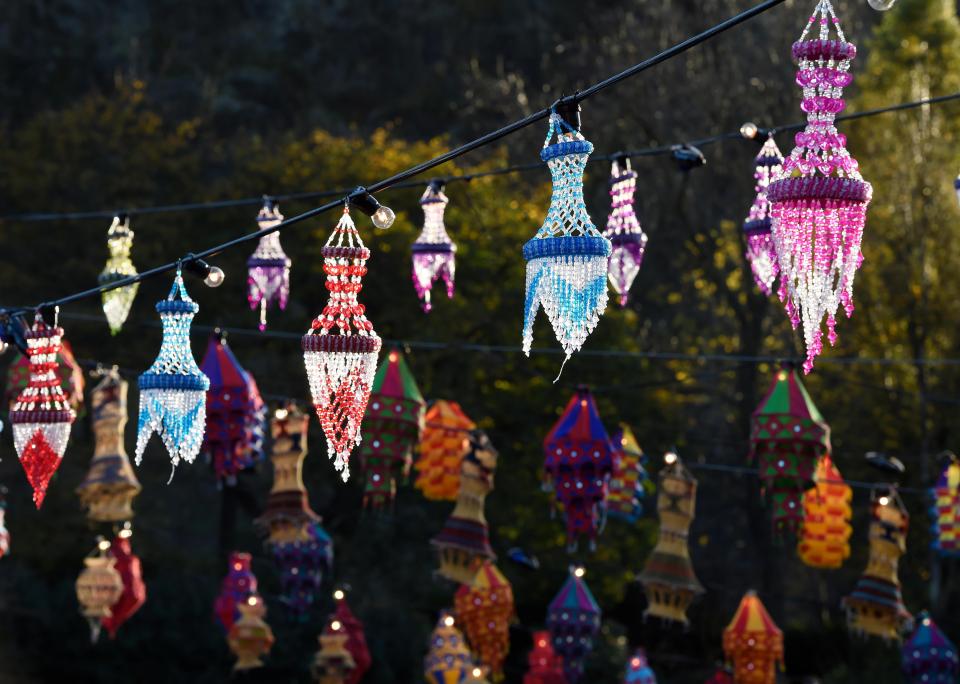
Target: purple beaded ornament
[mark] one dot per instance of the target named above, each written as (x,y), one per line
(623,230)
(268,268)
(433,252)
(818,202)
(761,251)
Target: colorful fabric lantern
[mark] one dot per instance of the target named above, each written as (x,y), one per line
(250,638)
(67,369)
(341,365)
(818,201)
(391,429)
(573,618)
(108,490)
(567,258)
(627,239)
(577,466)
(825,539)
(443,444)
(761,251)
(173,390)
(668,578)
(546,667)
(946,511)
(629,482)
(484,609)
(134,593)
(356,642)
(788,437)
(41,416)
(875,606)
(333,663)
(448,660)
(753,643)
(237,587)
(236,414)
(639,670)
(117,302)
(98,587)
(268,268)
(928,656)
(434,253)
(464,541)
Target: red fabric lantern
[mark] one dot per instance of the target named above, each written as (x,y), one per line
(134,592)
(356,641)
(484,610)
(546,667)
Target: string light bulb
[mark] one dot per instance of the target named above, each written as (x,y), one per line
(881,5)
(749,130)
(382,216)
(215,277)
(670,458)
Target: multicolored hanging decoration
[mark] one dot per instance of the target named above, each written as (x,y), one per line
(98,587)
(333,663)
(464,541)
(639,670)
(573,618)
(340,366)
(668,578)
(946,511)
(443,444)
(237,587)
(567,258)
(753,643)
(875,606)
(627,239)
(629,482)
(356,642)
(928,656)
(268,268)
(788,437)
(41,416)
(577,467)
(485,609)
(391,429)
(761,251)
(134,593)
(67,369)
(825,539)
(173,390)
(117,302)
(818,201)
(250,637)
(108,490)
(236,414)
(546,667)
(448,660)
(434,254)
(4,532)
(723,675)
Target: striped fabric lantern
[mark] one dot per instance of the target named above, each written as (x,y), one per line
(573,618)
(629,482)
(753,643)
(825,538)
(443,444)
(946,511)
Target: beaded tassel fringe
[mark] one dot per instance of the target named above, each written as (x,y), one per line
(761,250)
(627,239)
(268,268)
(117,302)
(434,254)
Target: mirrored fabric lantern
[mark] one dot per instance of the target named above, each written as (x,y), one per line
(134,593)
(356,643)
(434,253)
(627,239)
(333,663)
(629,482)
(946,511)
(117,302)
(250,637)
(484,609)
(268,268)
(761,250)
(237,587)
(448,660)
(443,443)
(928,656)
(98,587)
(753,643)
(545,666)
(573,619)
(639,670)
(825,539)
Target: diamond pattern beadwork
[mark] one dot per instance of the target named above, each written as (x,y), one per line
(268,268)
(433,252)
(117,302)
(627,239)
(761,250)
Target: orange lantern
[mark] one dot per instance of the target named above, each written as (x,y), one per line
(825,536)
(485,609)
(443,444)
(753,642)
(250,637)
(98,587)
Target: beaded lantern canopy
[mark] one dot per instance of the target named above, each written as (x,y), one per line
(391,429)
(928,656)
(41,416)
(134,593)
(567,258)
(67,369)
(250,637)
(237,587)
(577,466)
(788,437)
(639,670)
(753,643)
(268,268)
(824,541)
(573,619)
(443,444)
(945,511)
(627,239)
(434,253)
(629,482)
(173,390)
(485,609)
(236,414)
(340,349)
(818,201)
(448,660)
(117,302)
(761,251)
(98,587)
(545,666)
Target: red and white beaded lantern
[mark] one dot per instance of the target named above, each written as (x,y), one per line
(340,350)
(41,415)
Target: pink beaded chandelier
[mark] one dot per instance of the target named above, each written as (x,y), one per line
(761,252)
(818,202)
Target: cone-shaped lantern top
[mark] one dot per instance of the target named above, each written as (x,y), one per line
(928,652)
(575,595)
(579,422)
(394,379)
(752,618)
(788,414)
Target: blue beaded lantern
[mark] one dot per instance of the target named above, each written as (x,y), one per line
(567,258)
(173,390)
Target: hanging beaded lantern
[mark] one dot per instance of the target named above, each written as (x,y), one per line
(761,251)
(946,511)
(98,587)
(434,253)
(629,482)
(545,666)
(639,670)
(567,258)
(573,618)
(173,390)
(485,609)
(627,239)
(341,365)
(268,268)
(753,643)
(818,202)
(825,538)
(443,444)
(67,369)
(134,593)
(928,656)
(41,416)
(237,587)
(117,302)
(250,638)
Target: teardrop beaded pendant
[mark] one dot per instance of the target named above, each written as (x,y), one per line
(434,254)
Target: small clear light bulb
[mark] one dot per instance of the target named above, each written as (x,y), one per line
(383,217)
(881,5)
(749,130)
(215,277)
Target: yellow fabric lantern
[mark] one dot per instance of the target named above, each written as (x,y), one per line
(448,660)
(443,444)
(825,537)
(333,663)
(250,637)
